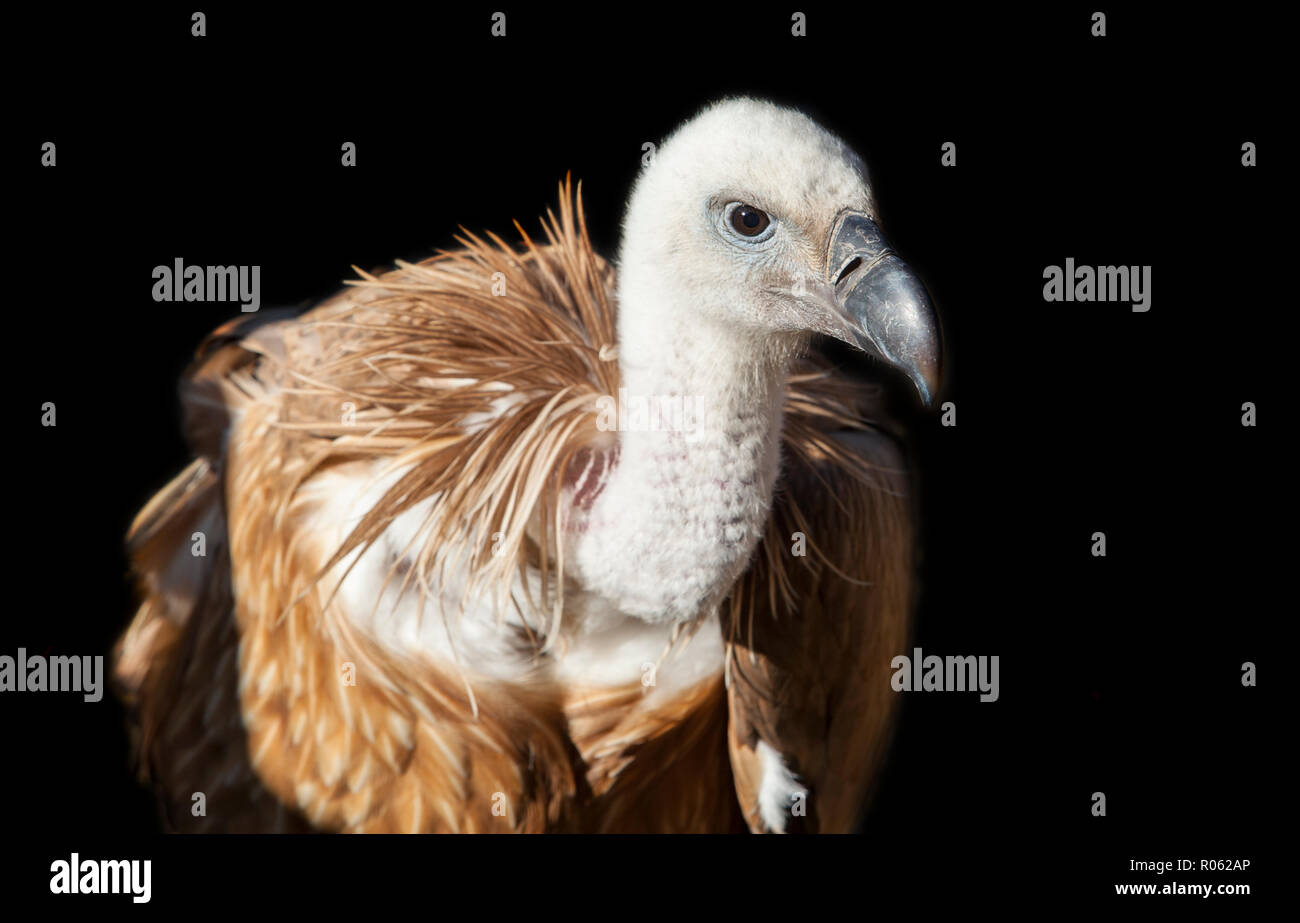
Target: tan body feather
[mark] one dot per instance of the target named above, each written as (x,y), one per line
(234,660)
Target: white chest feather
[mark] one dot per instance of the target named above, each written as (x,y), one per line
(600,647)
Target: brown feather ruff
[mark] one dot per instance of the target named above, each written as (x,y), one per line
(233,661)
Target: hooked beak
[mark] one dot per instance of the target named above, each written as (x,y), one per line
(884,304)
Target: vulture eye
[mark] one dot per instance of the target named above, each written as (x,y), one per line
(749,221)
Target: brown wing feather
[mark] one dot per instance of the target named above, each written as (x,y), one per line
(177,664)
(811,638)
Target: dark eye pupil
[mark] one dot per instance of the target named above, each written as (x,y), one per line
(748,220)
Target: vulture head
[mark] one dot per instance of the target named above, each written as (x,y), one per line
(754,221)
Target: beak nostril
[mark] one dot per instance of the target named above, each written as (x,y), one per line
(848,268)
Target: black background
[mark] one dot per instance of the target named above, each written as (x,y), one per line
(1119,674)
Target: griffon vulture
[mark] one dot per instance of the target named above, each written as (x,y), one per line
(507,540)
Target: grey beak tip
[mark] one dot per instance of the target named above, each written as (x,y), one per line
(923,391)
